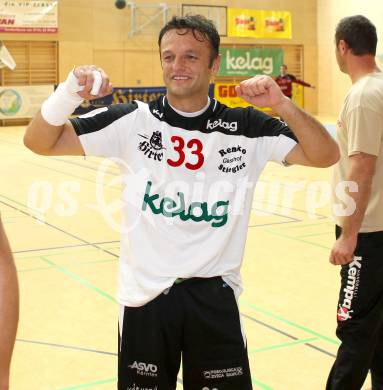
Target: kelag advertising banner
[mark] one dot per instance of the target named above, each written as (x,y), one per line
(250,62)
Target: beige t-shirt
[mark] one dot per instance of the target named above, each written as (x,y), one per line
(360,129)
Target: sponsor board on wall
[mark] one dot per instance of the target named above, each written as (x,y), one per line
(259,23)
(276,24)
(29,16)
(225,93)
(248,62)
(126,95)
(22,101)
(244,22)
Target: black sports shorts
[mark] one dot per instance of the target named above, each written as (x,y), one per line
(197,319)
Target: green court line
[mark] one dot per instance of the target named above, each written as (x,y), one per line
(297,239)
(284,345)
(79,279)
(260,384)
(293,324)
(90,384)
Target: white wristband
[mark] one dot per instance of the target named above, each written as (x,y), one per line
(63,101)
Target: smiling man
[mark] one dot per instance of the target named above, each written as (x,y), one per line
(198,162)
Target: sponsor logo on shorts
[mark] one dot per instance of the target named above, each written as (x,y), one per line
(135,387)
(351,289)
(144,369)
(232,159)
(223,373)
(152,146)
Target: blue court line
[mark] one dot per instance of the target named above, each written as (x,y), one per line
(288,335)
(284,320)
(294,238)
(56,227)
(330,223)
(88,166)
(67,246)
(66,347)
(320,216)
(93,181)
(314,234)
(73,264)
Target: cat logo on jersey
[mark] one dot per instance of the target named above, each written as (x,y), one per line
(152,148)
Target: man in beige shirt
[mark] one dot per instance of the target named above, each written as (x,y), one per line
(9,308)
(359,231)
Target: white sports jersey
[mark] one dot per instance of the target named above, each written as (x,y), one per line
(189,185)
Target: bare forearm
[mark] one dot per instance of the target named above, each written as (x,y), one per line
(317,144)
(9,309)
(40,136)
(351,224)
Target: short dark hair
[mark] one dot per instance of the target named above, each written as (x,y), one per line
(359,34)
(198,25)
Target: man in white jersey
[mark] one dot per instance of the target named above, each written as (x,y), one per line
(196,162)
(9,308)
(359,230)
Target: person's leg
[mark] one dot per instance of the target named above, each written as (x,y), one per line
(377,365)
(214,350)
(149,348)
(9,307)
(360,314)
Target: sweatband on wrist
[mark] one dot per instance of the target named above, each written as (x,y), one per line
(62,102)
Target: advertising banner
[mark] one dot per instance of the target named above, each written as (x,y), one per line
(259,23)
(250,62)
(22,102)
(276,24)
(29,16)
(225,93)
(126,95)
(244,23)
(121,95)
